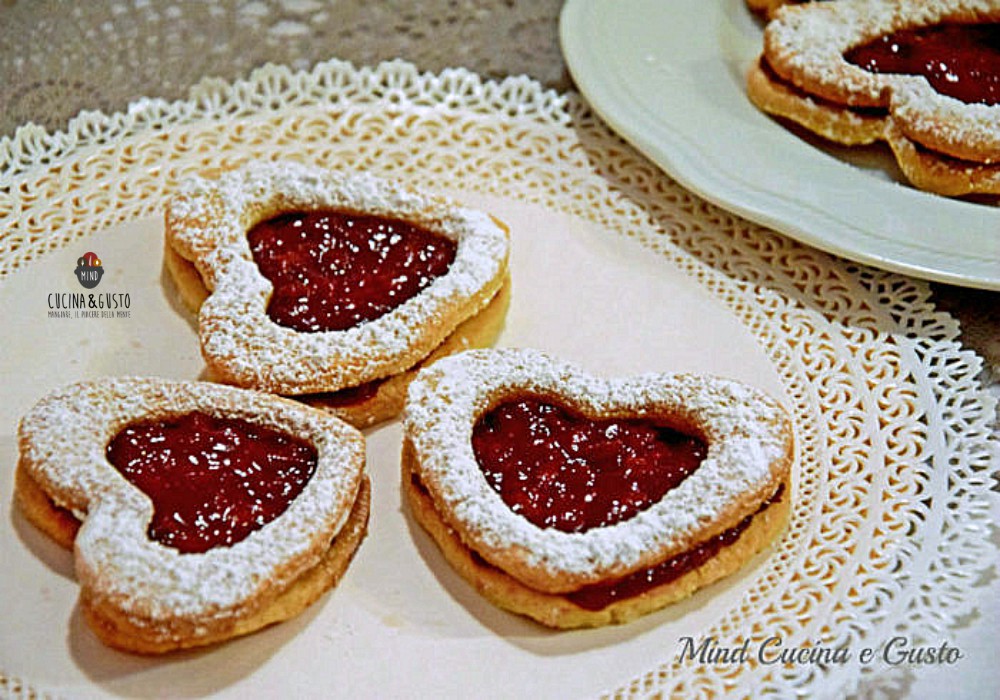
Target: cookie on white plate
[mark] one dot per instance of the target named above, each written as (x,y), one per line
(582,501)
(923,76)
(332,287)
(196,512)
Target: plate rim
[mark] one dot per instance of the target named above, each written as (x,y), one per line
(675,151)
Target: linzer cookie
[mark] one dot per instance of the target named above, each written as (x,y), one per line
(582,501)
(332,288)
(196,512)
(922,76)
(767,8)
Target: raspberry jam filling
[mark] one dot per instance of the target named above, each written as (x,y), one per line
(958,60)
(334,270)
(601,595)
(560,469)
(212,480)
(351,396)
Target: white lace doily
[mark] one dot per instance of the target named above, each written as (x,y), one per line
(56,58)
(891,519)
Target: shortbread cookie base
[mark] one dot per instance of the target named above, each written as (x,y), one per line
(926,169)
(119,632)
(767,8)
(190,288)
(557,611)
(831,121)
(764,7)
(41,511)
(479,331)
(938,173)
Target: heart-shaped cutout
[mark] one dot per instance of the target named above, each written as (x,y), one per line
(958,60)
(561,469)
(318,281)
(212,480)
(744,457)
(196,511)
(332,270)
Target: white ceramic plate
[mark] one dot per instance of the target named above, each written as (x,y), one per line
(669,77)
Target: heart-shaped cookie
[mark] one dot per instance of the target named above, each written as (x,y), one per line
(554,491)
(922,76)
(310,282)
(197,512)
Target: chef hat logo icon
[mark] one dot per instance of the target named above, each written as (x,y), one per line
(89,270)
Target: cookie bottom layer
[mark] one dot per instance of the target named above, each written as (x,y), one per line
(378,401)
(925,168)
(558,611)
(937,173)
(833,122)
(767,8)
(386,398)
(117,630)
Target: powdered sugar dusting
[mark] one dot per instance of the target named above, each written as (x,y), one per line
(207,224)
(63,441)
(967,131)
(746,432)
(805,44)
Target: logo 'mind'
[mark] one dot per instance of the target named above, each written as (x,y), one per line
(89,270)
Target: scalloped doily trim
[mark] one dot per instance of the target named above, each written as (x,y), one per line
(895,433)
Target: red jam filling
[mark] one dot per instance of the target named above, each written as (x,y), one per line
(334,270)
(212,481)
(350,396)
(959,60)
(560,469)
(600,596)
